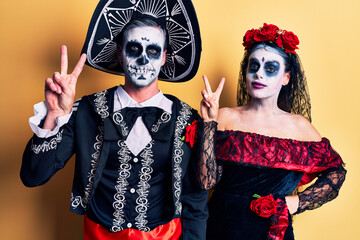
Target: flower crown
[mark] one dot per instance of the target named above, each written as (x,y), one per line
(285,40)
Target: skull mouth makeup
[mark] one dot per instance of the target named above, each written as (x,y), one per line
(140,72)
(142,54)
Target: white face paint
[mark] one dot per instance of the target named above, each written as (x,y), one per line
(142,54)
(265,74)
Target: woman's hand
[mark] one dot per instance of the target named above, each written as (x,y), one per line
(209,106)
(60,89)
(292,203)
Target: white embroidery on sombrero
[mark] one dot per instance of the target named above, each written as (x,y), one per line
(103,41)
(178,36)
(176,10)
(180,60)
(153,8)
(118,19)
(107,54)
(169,67)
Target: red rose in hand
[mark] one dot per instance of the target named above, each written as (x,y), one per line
(267,33)
(290,41)
(264,206)
(191,133)
(248,38)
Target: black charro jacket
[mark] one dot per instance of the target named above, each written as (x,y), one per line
(88,134)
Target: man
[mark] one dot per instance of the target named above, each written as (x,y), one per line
(134,175)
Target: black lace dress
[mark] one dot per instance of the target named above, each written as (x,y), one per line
(247,166)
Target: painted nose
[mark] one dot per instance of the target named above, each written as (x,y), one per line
(259,75)
(142,60)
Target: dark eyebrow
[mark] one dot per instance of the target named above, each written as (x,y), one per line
(272,62)
(133,41)
(154,45)
(254,60)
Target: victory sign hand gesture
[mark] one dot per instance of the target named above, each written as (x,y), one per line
(209,106)
(60,89)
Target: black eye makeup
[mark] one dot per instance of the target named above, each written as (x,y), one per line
(271,68)
(153,51)
(254,65)
(133,49)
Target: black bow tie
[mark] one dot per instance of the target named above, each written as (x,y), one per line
(156,120)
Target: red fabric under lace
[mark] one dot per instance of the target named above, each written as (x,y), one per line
(263,151)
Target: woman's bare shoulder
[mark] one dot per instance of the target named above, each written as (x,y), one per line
(226,116)
(304,129)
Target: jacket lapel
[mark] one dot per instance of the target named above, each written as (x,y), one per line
(181,151)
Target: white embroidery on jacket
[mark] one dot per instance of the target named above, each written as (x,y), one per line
(118,119)
(48,145)
(121,186)
(180,125)
(165,117)
(100,103)
(101,108)
(143,187)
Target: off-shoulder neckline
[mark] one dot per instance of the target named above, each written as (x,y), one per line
(258,135)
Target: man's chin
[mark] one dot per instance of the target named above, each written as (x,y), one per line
(141,82)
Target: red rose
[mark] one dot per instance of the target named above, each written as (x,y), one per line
(248,38)
(264,206)
(290,41)
(270,29)
(191,133)
(278,41)
(267,33)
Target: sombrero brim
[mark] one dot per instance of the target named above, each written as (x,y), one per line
(184,41)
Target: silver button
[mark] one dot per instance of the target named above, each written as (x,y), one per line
(129,225)
(132,190)
(136,160)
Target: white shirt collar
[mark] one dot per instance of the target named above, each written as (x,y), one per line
(123,100)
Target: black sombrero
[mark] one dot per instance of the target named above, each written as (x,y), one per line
(179,17)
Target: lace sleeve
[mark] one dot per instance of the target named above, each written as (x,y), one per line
(209,170)
(325,189)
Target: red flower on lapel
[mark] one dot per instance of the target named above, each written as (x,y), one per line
(191,133)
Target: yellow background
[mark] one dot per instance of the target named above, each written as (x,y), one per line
(32,32)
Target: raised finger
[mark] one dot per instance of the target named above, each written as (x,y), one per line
(79,66)
(207,84)
(64,60)
(220,87)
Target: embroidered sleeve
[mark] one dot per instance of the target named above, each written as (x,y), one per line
(209,169)
(325,189)
(44,156)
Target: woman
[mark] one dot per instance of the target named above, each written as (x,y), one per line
(258,153)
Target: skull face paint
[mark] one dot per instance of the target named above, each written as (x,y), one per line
(265,74)
(142,55)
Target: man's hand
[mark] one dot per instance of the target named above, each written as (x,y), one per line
(60,89)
